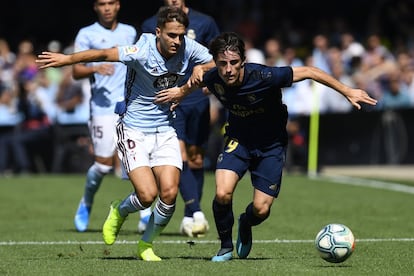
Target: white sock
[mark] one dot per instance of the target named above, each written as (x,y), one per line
(145,212)
(199,216)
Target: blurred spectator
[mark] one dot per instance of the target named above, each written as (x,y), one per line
(33,134)
(394,97)
(7,60)
(289,58)
(334,102)
(25,60)
(374,49)
(375,70)
(273,51)
(407,82)
(296,155)
(297,96)
(9,118)
(253,54)
(72,99)
(352,51)
(320,53)
(54,75)
(73,149)
(46,91)
(9,115)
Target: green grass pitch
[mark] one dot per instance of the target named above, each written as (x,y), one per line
(37,235)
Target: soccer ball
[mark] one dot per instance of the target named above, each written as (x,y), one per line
(335,243)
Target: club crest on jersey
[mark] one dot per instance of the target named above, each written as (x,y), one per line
(129,50)
(219,88)
(191,34)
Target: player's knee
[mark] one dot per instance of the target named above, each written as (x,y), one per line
(223,197)
(261,210)
(108,161)
(102,168)
(196,163)
(146,199)
(195,157)
(168,195)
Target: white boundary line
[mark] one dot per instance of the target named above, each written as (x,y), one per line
(11,243)
(347,180)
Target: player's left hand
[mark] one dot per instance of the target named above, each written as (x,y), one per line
(170,95)
(49,59)
(196,77)
(356,96)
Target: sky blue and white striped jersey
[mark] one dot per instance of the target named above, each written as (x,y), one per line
(148,73)
(106,91)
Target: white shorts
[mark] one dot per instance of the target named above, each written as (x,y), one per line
(102,129)
(138,149)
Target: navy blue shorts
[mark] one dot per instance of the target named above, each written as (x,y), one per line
(265,165)
(192,122)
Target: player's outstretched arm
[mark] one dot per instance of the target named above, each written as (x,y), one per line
(354,96)
(49,59)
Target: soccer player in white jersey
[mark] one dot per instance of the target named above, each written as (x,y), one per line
(147,141)
(192,124)
(107,88)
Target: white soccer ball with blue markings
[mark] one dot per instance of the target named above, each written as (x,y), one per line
(335,243)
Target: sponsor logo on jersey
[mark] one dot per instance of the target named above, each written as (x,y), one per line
(166,81)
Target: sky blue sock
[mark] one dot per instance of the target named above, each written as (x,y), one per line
(159,219)
(93,181)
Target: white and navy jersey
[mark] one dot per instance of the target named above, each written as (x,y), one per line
(202,28)
(148,73)
(106,91)
(257,116)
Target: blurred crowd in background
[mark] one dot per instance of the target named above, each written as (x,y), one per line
(44,113)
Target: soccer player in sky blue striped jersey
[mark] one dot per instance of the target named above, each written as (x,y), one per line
(107,88)
(147,142)
(256,137)
(192,124)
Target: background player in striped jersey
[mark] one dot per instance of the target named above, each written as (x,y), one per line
(107,88)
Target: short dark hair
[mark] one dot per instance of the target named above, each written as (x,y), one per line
(227,41)
(170,14)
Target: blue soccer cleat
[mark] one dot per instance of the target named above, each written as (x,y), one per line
(244,239)
(224,254)
(82,217)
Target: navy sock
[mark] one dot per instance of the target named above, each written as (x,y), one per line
(199,177)
(188,190)
(224,219)
(249,217)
